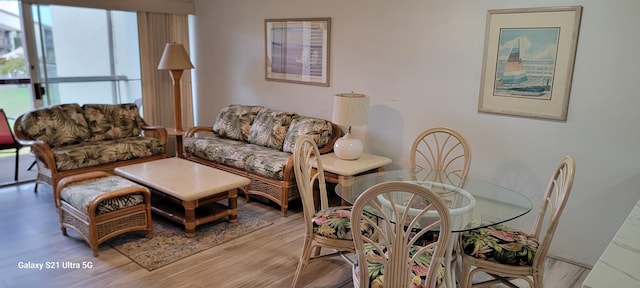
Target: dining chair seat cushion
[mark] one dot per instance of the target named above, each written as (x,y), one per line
(419,271)
(335,223)
(501,244)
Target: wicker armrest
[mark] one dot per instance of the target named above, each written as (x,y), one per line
(193,130)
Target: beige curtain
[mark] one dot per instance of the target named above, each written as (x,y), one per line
(155,30)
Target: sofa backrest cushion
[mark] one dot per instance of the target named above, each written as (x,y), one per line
(57,125)
(270,128)
(319,129)
(112,121)
(234,121)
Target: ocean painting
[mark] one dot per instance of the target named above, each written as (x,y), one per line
(526,62)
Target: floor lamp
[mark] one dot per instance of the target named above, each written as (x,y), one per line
(175,59)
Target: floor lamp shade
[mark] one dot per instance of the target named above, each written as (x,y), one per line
(176,60)
(350,109)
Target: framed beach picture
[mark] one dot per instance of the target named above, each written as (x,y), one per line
(528,61)
(297,50)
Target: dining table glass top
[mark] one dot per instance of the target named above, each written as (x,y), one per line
(473,203)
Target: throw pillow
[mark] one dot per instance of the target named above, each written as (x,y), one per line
(320,130)
(234,121)
(57,125)
(270,128)
(111,122)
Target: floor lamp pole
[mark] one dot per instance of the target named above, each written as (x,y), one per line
(176,75)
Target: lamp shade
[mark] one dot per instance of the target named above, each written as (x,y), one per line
(350,109)
(174,57)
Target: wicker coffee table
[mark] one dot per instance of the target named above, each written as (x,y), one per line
(187,192)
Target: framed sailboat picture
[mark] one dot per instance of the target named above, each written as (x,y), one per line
(528,61)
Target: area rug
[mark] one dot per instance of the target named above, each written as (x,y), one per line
(169,243)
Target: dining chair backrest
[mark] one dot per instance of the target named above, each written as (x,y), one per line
(552,206)
(405,248)
(7,140)
(304,156)
(441,149)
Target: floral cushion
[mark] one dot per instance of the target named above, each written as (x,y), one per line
(57,125)
(500,243)
(335,223)
(112,121)
(321,131)
(209,147)
(234,121)
(90,154)
(267,162)
(420,268)
(270,128)
(81,194)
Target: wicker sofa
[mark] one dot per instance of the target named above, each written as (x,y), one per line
(70,139)
(258,142)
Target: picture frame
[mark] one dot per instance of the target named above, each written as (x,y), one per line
(297,50)
(528,62)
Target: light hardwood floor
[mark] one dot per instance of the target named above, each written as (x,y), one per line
(266,258)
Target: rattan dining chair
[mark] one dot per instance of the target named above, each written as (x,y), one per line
(8,140)
(506,253)
(405,249)
(441,149)
(325,227)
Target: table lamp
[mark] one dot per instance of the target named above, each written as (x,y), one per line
(350,109)
(175,59)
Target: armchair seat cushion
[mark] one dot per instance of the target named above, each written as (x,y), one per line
(88,154)
(501,244)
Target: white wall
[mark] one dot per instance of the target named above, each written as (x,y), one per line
(428,54)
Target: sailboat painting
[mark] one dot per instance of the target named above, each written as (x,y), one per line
(526,62)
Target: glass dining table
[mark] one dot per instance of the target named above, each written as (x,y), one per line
(473,203)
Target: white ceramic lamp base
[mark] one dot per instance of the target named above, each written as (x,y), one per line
(348,148)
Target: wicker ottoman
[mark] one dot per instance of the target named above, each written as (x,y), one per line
(100,206)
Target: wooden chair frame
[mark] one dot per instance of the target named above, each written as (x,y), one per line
(441,149)
(306,153)
(554,201)
(394,231)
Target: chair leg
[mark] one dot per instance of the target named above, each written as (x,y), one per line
(17,163)
(303,261)
(31,166)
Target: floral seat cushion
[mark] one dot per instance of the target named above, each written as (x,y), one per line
(268,162)
(419,270)
(207,147)
(501,244)
(81,194)
(89,154)
(335,223)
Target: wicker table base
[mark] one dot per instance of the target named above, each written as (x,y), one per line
(193,190)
